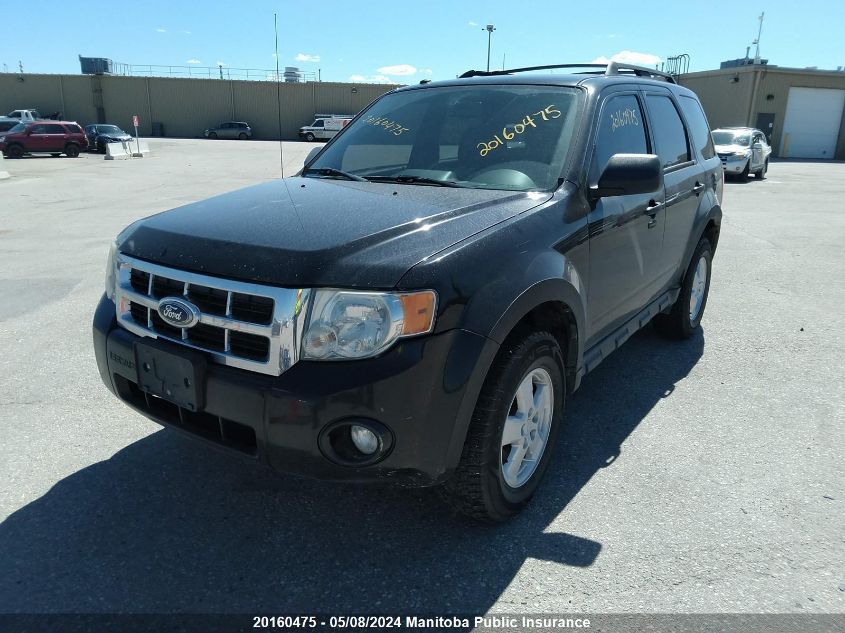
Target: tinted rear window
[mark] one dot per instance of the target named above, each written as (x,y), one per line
(699,130)
(73,128)
(669,133)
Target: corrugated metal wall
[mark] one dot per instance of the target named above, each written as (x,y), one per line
(184,107)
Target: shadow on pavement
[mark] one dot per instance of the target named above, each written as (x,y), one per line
(170,525)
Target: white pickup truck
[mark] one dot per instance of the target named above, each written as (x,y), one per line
(25,116)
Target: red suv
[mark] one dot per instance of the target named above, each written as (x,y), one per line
(43,137)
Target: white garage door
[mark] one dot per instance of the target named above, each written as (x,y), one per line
(811,126)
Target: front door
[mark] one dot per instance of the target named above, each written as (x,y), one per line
(766,123)
(626,232)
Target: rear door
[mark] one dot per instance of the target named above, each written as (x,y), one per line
(57,136)
(626,232)
(683,179)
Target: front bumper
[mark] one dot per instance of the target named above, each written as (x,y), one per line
(423,389)
(734,164)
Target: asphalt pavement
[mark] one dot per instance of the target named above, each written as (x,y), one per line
(693,477)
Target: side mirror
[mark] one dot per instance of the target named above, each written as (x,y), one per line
(757,145)
(627,174)
(314,151)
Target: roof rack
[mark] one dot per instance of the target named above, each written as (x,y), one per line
(609,69)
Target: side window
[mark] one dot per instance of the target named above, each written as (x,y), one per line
(39,129)
(55,129)
(73,129)
(699,130)
(319,123)
(620,131)
(669,134)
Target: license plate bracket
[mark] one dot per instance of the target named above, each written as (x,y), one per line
(170,372)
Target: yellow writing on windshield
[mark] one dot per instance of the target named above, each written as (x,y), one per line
(511,131)
(387,124)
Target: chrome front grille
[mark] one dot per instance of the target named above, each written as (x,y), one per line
(244,325)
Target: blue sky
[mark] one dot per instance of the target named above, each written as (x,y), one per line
(405,42)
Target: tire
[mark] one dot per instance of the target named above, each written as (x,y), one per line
(72,150)
(212,135)
(483,486)
(14,151)
(761,175)
(309,137)
(242,136)
(683,319)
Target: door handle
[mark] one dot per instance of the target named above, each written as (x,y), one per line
(651,211)
(697,189)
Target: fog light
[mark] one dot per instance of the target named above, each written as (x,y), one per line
(364,439)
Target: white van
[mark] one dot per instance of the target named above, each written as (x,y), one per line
(324,127)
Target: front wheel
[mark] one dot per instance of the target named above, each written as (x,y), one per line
(761,174)
(743,176)
(212,135)
(309,137)
(242,136)
(14,151)
(512,432)
(685,315)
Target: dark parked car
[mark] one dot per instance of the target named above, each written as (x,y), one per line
(7,124)
(230,129)
(43,137)
(101,134)
(418,303)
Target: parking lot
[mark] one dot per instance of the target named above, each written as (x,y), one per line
(702,476)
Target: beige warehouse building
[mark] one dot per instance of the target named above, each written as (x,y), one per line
(181,107)
(802,111)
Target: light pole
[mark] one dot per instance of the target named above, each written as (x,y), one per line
(489,28)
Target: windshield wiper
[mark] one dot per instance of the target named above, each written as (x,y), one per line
(331,171)
(415,180)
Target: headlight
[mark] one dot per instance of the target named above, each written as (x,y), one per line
(111,271)
(345,325)
(742,153)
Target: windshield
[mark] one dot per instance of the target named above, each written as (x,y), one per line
(731,138)
(110,129)
(20,127)
(489,137)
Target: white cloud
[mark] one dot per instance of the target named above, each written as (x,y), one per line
(370,79)
(399,69)
(630,57)
(193,61)
(185,32)
(160,30)
(471,23)
(305,57)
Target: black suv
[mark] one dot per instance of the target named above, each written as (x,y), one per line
(417,303)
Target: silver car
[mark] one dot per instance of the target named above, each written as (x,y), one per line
(230,129)
(743,151)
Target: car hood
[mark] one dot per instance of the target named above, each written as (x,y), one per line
(304,232)
(729,149)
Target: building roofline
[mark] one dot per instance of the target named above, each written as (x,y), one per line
(766,68)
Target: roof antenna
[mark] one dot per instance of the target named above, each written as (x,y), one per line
(279,99)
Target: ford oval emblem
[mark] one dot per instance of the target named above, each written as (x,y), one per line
(178,312)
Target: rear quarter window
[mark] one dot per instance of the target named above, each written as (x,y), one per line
(699,130)
(73,128)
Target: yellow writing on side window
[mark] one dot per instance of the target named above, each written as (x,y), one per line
(621,118)
(510,131)
(386,124)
